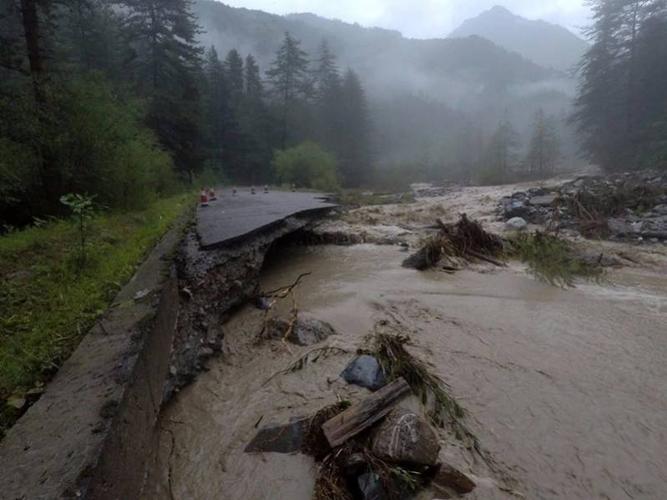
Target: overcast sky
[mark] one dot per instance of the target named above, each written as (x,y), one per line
(423,18)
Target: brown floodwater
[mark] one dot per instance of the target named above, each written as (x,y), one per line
(565,389)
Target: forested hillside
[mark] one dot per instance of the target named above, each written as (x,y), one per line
(445,80)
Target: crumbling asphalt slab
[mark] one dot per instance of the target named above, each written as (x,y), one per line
(232,218)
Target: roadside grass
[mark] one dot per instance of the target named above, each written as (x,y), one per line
(47,302)
(552,259)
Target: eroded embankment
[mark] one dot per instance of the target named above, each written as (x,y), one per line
(93,432)
(561,386)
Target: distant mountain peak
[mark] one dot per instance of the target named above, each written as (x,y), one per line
(544,43)
(500,9)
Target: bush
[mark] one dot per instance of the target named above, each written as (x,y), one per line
(95,142)
(307,165)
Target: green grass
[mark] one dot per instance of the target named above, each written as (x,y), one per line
(47,303)
(552,259)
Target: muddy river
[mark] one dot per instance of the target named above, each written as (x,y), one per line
(565,389)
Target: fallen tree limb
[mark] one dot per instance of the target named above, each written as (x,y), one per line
(362,415)
(485,258)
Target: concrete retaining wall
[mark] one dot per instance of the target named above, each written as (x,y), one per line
(91,432)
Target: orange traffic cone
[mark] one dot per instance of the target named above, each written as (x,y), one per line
(203,198)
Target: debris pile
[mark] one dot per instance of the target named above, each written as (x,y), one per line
(455,243)
(374,448)
(623,206)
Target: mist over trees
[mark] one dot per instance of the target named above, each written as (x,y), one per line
(621,109)
(133,99)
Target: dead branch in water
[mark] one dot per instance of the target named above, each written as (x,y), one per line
(283,291)
(280,294)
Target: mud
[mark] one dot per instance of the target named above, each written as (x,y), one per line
(564,388)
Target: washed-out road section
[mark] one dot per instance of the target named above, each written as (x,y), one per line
(232,218)
(94,431)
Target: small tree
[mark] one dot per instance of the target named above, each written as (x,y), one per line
(307,165)
(82,209)
(500,156)
(544,150)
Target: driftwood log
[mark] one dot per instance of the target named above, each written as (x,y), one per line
(362,415)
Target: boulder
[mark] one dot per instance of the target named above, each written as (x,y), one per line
(450,478)
(365,371)
(543,201)
(516,224)
(306,331)
(281,438)
(407,438)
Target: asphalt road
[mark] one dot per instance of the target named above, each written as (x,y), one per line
(230,218)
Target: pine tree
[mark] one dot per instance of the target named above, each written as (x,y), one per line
(217,112)
(544,150)
(166,68)
(326,74)
(355,158)
(328,95)
(254,88)
(290,83)
(257,125)
(501,153)
(611,104)
(235,77)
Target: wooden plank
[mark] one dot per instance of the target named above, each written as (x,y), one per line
(362,415)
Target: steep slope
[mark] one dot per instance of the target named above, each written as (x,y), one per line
(456,71)
(544,43)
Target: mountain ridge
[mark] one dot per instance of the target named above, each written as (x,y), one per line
(542,42)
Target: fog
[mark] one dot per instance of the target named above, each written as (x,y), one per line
(423,92)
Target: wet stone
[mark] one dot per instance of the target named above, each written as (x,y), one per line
(280,439)
(516,223)
(306,331)
(406,438)
(365,371)
(371,487)
(451,478)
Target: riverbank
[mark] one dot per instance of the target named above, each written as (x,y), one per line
(49,300)
(560,385)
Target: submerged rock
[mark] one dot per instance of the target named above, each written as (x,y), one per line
(516,224)
(365,371)
(280,439)
(306,331)
(406,438)
(451,478)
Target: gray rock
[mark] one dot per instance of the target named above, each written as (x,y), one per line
(280,439)
(543,201)
(365,371)
(407,438)
(516,223)
(448,477)
(371,487)
(306,331)
(660,209)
